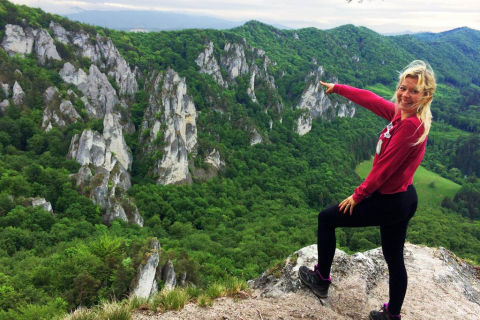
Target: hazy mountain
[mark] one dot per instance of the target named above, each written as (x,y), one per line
(150,20)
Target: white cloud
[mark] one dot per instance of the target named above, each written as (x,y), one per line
(379,15)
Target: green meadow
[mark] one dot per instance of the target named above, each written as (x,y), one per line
(431,187)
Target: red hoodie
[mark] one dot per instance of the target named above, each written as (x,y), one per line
(396,159)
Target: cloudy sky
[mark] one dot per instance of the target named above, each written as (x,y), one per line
(384,16)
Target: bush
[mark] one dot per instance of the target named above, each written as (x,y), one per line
(170,300)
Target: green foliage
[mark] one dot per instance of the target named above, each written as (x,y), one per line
(170,300)
(466,201)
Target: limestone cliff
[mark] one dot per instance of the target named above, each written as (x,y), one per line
(58,110)
(169,130)
(208,64)
(18,40)
(317,104)
(104,175)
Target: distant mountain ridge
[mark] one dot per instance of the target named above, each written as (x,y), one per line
(150,20)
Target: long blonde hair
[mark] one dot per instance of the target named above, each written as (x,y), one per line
(423,72)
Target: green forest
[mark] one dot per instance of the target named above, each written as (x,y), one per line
(263,206)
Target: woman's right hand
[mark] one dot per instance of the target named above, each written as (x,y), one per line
(328,87)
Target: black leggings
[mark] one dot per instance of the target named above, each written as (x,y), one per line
(389,211)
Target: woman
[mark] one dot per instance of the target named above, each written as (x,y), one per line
(387,197)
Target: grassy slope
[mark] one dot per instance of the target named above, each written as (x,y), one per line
(431,187)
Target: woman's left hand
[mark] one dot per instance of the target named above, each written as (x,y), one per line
(347,205)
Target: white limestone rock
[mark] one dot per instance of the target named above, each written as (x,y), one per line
(41,202)
(60,33)
(6,88)
(110,159)
(208,64)
(118,67)
(255,137)
(18,94)
(449,286)
(346,110)
(234,60)
(146,284)
(89,149)
(88,48)
(171,115)
(168,276)
(304,124)
(251,87)
(215,160)
(50,94)
(95,86)
(62,116)
(17,40)
(115,142)
(45,48)
(318,104)
(4,105)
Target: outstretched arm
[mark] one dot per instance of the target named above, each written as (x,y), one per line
(364,98)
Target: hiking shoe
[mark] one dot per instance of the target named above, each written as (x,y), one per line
(383,314)
(314,280)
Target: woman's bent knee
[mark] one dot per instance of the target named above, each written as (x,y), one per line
(327,216)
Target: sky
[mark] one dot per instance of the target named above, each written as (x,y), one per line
(383,16)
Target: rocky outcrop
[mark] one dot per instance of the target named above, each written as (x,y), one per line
(17,40)
(304,124)
(208,64)
(103,53)
(57,113)
(251,84)
(255,137)
(117,67)
(18,94)
(168,276)
(440,286)
(109,157)
(239,59)
(62,116)
(60,33)
(215,160)
(45,48)
(5,88)
(145,283)
(22,41)
(87,46)
(50,94)
(95,86)
(315,101)
(234,60)
(448,285)
(41,202)
(5,103)
(169,130)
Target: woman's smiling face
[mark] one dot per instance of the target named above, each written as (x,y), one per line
(408,96)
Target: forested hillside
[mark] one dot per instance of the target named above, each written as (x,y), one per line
(203,140)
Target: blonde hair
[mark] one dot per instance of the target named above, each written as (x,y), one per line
(426,83)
